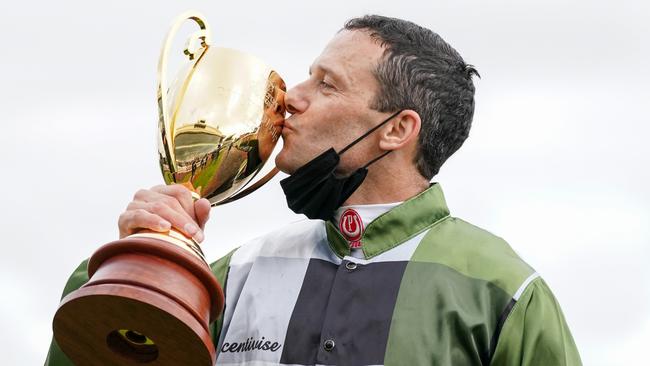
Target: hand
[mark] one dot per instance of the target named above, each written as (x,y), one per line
(163,207)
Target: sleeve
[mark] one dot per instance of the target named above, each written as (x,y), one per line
(535,332)
(55,356)
(220,270)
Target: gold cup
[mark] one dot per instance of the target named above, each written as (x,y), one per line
(218,121)
(151,296)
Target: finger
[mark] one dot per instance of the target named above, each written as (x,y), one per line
(152,195)
(181,194)
(146,198)
(162,201)
(131,221)
(178,218)
(202,210)
(144,195)
(159,195)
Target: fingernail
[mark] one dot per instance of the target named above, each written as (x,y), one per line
(191,229)
(164,225)
(199,236)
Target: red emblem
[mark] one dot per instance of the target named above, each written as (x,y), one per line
(351,226)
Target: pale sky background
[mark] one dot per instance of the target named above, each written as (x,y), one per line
(556,162)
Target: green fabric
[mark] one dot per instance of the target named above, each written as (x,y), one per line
(443,317)
(404,221)
(337,242)
(55,356)
(474,252)
(455,304)
(535,332)
(458,283)
(395,226)
(220,271)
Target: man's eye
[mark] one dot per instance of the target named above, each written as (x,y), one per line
(325,85)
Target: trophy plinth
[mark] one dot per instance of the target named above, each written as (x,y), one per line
(151,296)
(147,300)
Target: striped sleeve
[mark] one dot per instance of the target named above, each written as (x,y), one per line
(535,332)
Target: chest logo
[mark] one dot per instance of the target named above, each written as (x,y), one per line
(251,344)
(351,226)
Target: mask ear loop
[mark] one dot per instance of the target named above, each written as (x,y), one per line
(377,158)
(368,133)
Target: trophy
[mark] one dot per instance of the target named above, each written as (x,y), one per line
(151,296)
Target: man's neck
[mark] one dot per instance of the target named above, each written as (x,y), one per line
(384,185)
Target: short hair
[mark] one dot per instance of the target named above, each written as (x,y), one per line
(422,72)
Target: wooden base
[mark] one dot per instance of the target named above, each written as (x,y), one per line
(147,302)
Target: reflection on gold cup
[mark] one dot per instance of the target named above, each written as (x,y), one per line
(151,296)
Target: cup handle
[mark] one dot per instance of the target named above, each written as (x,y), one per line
(253,187)
(196,43)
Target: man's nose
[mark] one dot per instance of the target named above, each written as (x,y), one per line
(295,100)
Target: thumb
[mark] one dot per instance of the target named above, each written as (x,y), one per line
(202,211)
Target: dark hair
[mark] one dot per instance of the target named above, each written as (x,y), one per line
(420,71)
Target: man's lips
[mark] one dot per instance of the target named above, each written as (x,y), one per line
(278,126)
(286,126)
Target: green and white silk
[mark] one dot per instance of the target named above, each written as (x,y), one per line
(431,289)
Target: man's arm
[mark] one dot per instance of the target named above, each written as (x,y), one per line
(535,332)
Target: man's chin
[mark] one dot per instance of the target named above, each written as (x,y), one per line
(284,164)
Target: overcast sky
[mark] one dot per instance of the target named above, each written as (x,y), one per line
(556,162)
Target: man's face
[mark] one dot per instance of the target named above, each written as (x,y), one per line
(332,107)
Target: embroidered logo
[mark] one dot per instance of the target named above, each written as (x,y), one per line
(351,226)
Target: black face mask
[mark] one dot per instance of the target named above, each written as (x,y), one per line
(314,189)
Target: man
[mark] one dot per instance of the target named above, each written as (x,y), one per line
(390,277)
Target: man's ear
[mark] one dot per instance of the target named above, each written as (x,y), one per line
(402,130)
